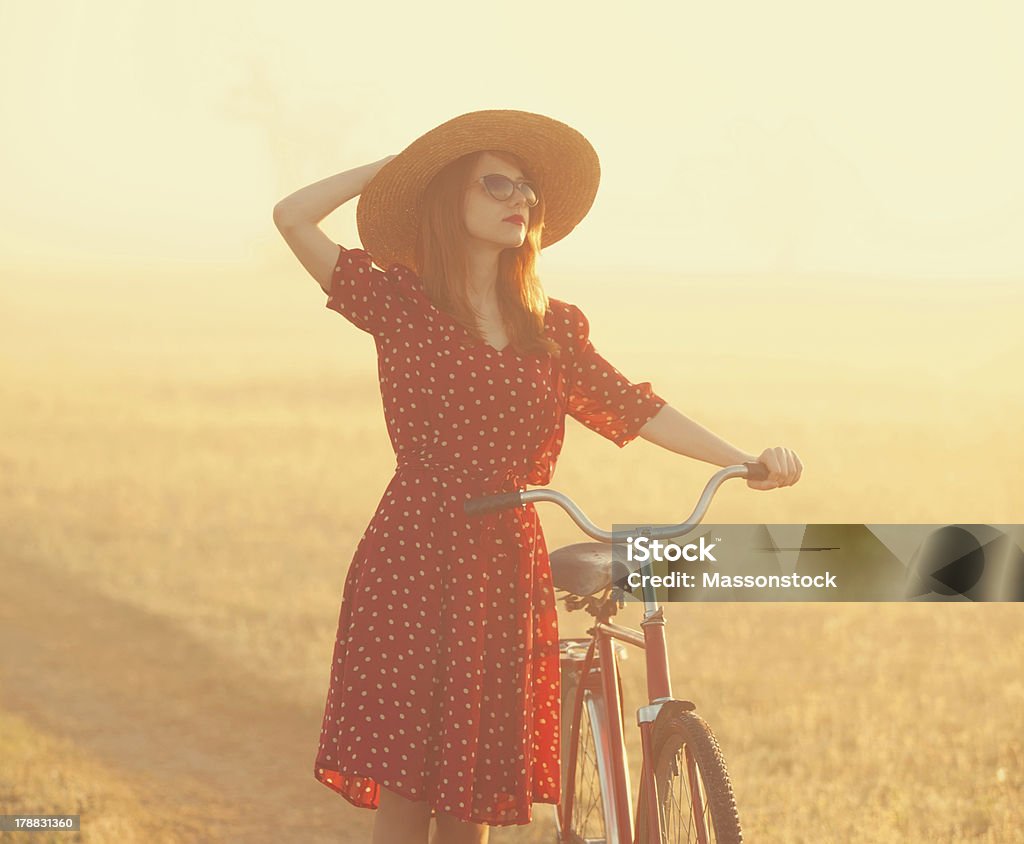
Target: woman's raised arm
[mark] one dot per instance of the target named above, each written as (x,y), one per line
(298,214)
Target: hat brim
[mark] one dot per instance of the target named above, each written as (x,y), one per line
(561,160)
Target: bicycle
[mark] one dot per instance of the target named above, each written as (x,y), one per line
(684,780)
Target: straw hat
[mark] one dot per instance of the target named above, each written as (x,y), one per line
(559,159)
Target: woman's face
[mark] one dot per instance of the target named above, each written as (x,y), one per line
(487,219)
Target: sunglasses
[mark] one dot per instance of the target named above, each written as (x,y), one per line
(502,187)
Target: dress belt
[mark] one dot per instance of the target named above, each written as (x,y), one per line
(482,482)
(495,480)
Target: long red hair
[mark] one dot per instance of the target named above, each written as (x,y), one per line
(442,259)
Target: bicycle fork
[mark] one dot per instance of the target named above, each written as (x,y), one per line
(659,692)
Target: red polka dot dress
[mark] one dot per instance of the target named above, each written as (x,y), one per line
(445,680)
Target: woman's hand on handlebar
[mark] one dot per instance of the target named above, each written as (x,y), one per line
(784,468)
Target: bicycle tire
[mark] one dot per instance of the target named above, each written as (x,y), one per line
(671,739)
(588,820)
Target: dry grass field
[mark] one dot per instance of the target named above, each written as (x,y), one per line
(181,495)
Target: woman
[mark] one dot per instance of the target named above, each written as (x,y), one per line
(444,690)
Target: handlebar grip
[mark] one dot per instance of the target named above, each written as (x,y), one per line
(493,503)
(756,471)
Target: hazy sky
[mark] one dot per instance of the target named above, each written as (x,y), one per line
(874,138)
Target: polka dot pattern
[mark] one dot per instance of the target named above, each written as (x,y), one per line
(444,685)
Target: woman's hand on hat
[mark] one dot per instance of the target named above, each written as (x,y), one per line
(784,468)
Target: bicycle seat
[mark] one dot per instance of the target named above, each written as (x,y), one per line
(586,568)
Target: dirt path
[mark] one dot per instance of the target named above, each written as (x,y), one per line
(207,738)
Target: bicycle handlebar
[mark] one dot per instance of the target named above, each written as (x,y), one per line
(508,500)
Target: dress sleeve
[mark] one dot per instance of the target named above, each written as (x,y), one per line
(601,397)
(367,297)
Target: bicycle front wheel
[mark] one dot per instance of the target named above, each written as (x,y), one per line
(695,798)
